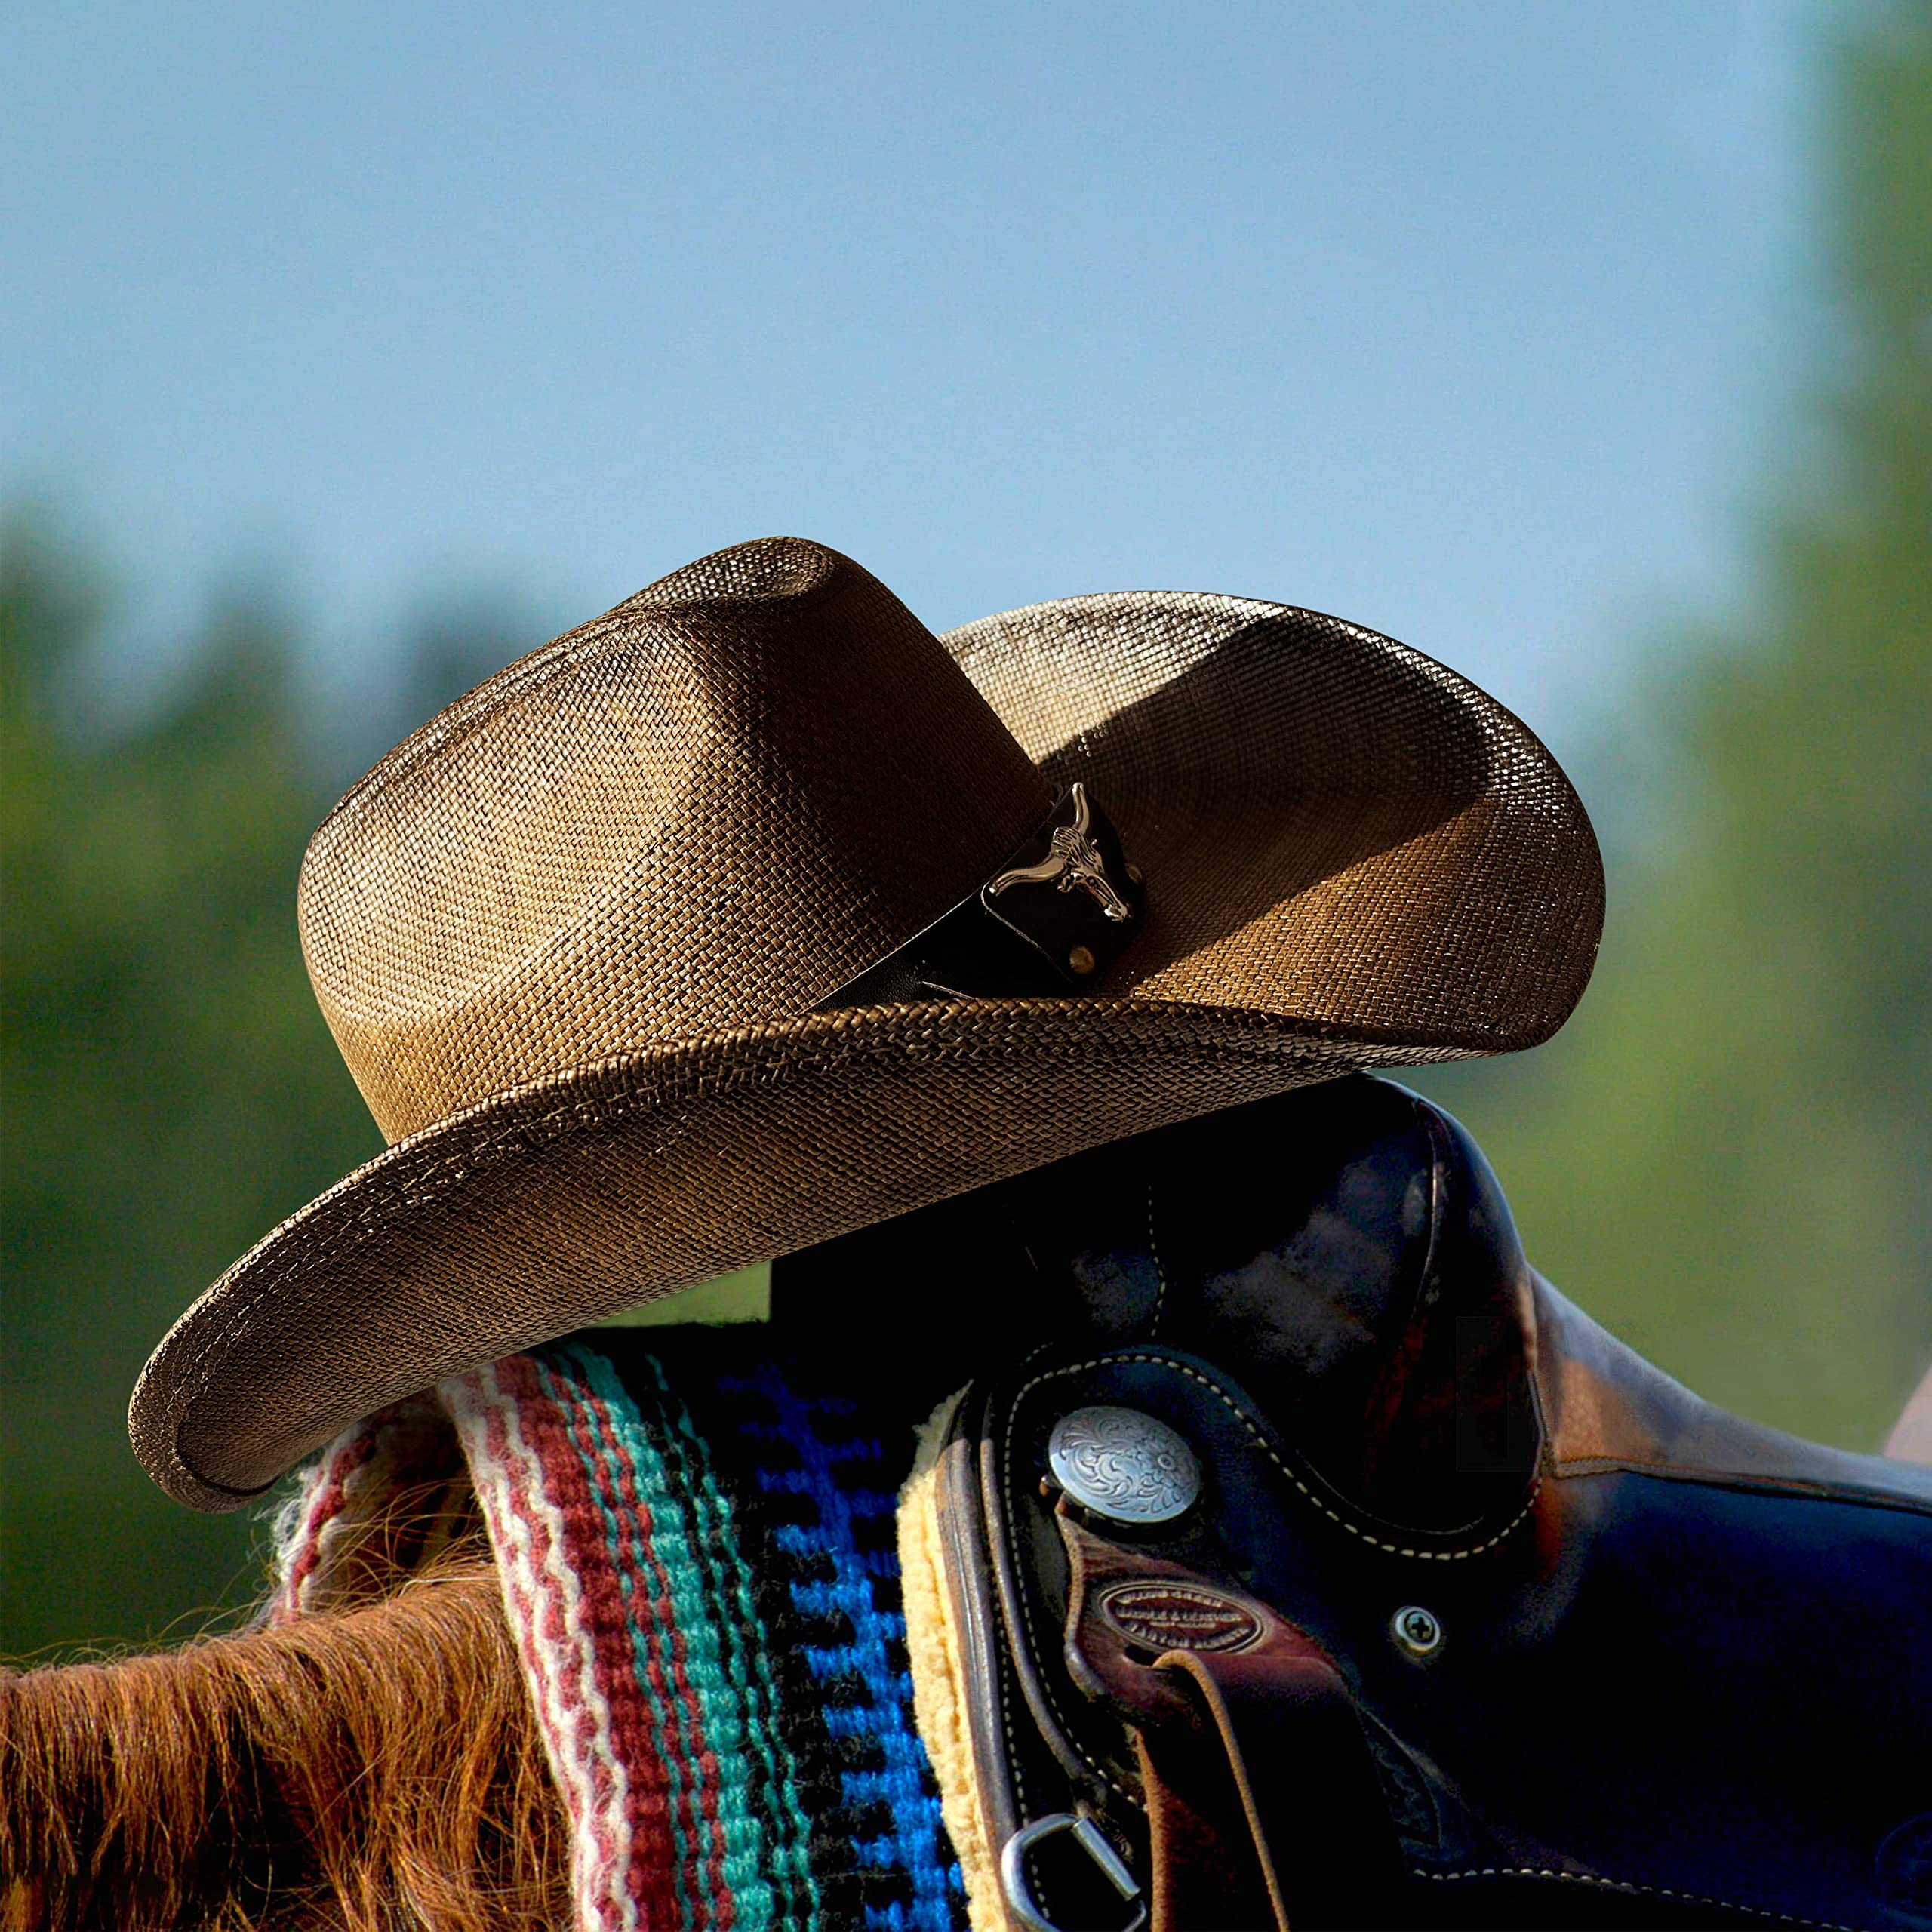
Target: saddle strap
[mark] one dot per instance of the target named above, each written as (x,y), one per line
(1265,1812)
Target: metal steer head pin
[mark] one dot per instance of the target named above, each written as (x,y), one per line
(1073,860)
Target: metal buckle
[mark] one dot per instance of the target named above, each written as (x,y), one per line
(1013,1881)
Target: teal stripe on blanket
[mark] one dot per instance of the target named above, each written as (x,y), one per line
(668,1536)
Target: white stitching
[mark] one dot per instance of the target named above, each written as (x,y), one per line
(1160,1269)
(1267,1449)
(1631,1885)
(1000,1670)
(1045,1677)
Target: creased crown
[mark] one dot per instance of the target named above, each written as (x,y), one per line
(706,809)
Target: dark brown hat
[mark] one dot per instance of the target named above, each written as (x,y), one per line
(751,913)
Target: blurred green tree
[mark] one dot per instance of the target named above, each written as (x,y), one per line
(170,1090)
(1725,1156)
(168,1087)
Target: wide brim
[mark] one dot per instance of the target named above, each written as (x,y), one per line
(1354,859)
(559,1203)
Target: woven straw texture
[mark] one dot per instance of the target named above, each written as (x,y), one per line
(569,934)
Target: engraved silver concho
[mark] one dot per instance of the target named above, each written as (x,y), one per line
(1124,1466)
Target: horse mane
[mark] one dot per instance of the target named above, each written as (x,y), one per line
(358,1770)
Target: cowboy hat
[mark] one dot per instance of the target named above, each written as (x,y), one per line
(750,913)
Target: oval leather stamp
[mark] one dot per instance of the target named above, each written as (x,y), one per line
(1178,1616)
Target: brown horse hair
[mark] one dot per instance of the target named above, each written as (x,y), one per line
(367,1768)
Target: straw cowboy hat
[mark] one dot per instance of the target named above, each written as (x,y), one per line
(750,913)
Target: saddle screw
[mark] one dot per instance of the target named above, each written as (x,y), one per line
(1136,876)
(1417,1630)
(1081,959)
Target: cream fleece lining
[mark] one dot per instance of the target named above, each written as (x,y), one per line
(939,1677)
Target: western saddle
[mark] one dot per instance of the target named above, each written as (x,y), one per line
(1313,1562)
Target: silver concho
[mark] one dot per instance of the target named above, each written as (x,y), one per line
(1123,1465)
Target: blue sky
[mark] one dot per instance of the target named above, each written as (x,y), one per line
(1466,320)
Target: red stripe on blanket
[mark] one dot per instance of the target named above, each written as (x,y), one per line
(632,1512)
(612,1618)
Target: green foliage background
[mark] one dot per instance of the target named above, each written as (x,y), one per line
(1724,1156)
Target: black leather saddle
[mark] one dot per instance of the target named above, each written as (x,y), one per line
(1317,1564)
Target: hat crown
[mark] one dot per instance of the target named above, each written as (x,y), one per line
(707,808)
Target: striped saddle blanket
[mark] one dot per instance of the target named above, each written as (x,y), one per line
(698,1555)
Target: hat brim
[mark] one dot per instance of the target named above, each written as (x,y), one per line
(558,1204)
(1354,859)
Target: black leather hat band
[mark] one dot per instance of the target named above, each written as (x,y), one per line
(1046,924)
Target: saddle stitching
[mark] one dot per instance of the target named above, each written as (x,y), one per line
(1160,1267)
(1045,1677)
(1154,1360)
(1005,1690)
(1261,1442)
(1632,1885)
(1743,1482)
